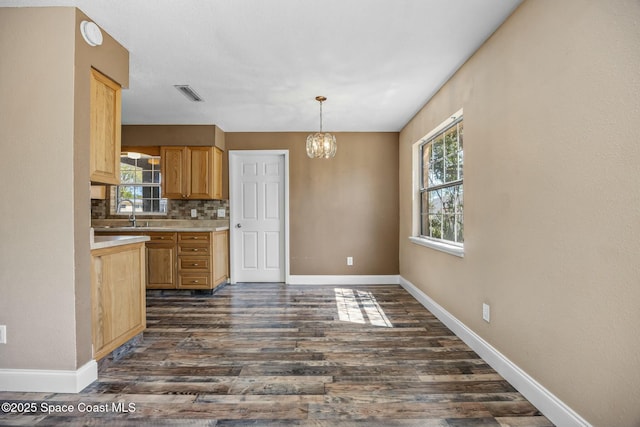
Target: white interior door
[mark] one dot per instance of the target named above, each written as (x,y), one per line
(258,205)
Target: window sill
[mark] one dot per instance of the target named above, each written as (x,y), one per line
(439,246)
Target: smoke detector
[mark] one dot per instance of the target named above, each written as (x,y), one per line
(91,33)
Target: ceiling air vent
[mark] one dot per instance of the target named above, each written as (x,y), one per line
(189,93)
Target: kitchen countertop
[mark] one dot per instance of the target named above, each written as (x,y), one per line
(101,242)
(145,225)
(166,228)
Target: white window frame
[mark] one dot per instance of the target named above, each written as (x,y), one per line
(114,194)
(437,244)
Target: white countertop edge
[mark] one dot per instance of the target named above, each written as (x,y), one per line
(168,229)
(101,242)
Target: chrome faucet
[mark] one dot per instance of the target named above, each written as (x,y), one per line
(132,217)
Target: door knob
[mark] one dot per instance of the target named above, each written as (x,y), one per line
(238,225)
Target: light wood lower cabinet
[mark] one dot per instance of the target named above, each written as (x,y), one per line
(118,308)
(185,260)
(194,260)
(203,259)
(161,261)
(220,256)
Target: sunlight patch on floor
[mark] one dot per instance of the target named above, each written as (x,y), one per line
(359,306)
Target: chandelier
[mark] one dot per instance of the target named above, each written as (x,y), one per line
(321,144)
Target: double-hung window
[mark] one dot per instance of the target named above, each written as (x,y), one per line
(139,188)
(440,186)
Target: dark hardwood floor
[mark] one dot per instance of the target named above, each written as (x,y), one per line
(272,355)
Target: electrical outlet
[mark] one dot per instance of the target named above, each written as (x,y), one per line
(3,334)
(222,213)
(194,213)
(486,312)
(349,260)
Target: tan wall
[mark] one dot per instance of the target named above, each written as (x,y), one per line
(346,206)
(111,59)
(36,176)
(552,202)
(44,264)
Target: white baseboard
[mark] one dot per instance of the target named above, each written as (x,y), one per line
(552,407)
(346,279)
(46,381)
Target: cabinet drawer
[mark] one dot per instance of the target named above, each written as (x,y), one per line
(161,243)
(194,237)
(194,281)
(196,249)
(195,264)
(162,237)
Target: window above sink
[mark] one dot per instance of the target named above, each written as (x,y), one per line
(139,190)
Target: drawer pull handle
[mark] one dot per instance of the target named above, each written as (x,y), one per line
(195,265)
(194,281)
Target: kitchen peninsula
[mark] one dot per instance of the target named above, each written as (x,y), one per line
(118,307)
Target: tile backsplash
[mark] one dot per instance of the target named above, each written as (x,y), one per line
(176,209)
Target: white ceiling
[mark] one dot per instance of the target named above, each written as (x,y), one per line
(259,64)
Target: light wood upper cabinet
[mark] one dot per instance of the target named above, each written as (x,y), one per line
(217,173)
(174,160)
(191,172)
(201,172)
(105,129)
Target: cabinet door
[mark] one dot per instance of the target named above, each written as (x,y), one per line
(221,257)
(161,261)
(174,173)
(200,165)
(104,133)
(217,173)
(117,296)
